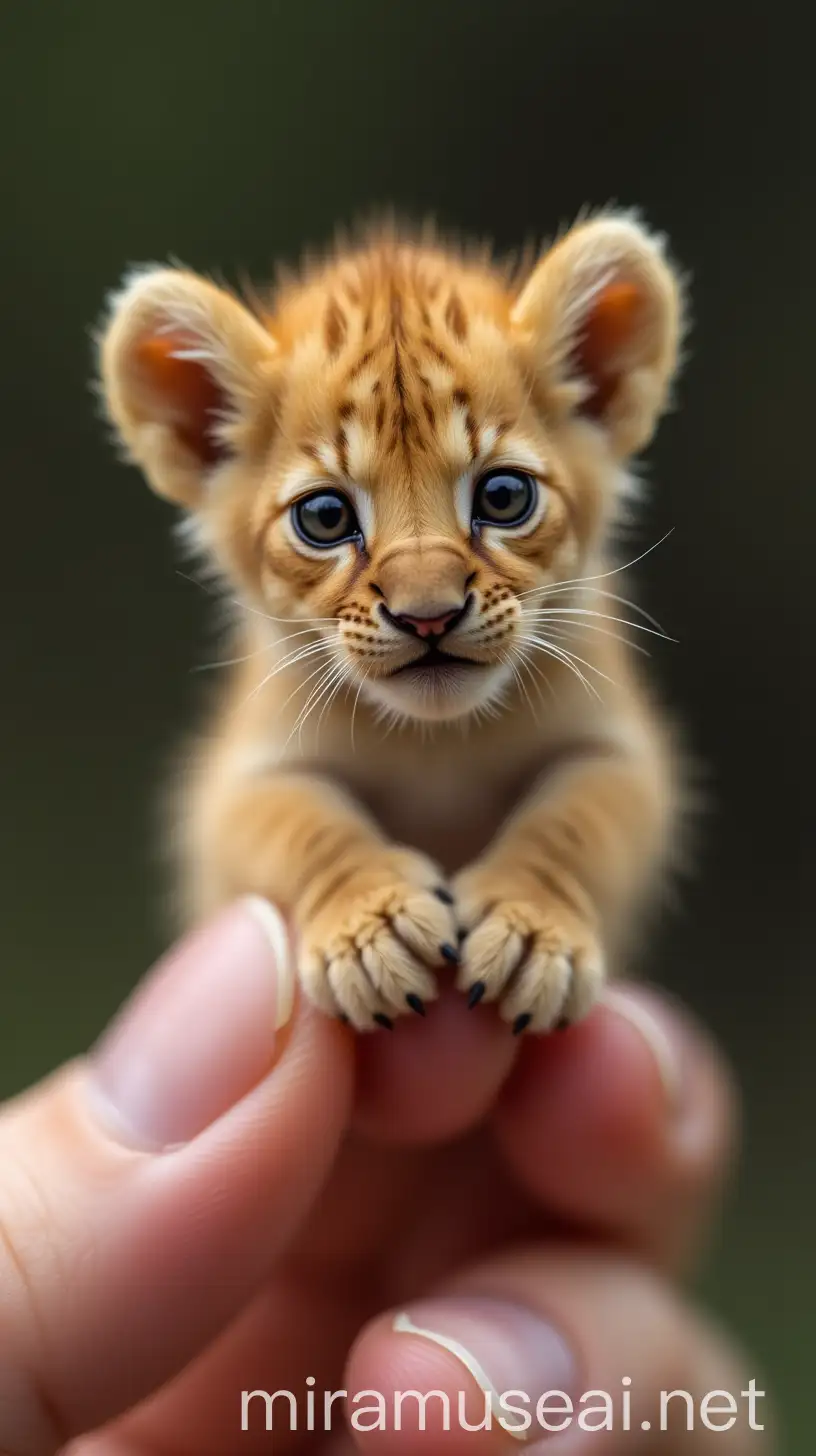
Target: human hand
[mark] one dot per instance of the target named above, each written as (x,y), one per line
(204,1207)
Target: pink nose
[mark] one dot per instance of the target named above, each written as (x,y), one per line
(429,626)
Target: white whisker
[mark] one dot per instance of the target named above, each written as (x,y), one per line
(344,677)
(607,616)
(575,629)
(515,668)
(229,661)
(325,673)
(287,621)
(570,660)
(354,707)
(334,672)
(329,691)
(566,622)
(532,667)
(301,654)
(301,685)
(267,647)
(550,649)
(614,571)
(549,591)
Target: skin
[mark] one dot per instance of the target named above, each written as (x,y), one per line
(587,1168)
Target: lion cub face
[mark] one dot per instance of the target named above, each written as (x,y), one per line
(405,454)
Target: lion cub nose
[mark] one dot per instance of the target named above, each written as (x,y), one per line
(423,586)
(435,624)
(427,626)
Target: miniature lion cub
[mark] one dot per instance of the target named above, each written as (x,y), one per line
(434,746)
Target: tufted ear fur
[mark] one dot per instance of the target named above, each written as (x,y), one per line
(187,373)
(602,312)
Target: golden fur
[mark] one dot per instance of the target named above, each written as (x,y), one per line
(534,787)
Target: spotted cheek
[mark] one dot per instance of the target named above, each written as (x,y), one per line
(494,625)
(360,639)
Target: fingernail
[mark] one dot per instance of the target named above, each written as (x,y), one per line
(200,1032)
(657,1039)
(507,1350)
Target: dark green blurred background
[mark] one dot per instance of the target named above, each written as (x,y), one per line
(231,135)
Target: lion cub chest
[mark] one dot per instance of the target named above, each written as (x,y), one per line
(449,810)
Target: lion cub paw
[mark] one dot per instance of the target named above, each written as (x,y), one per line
(369,953)
(539,959)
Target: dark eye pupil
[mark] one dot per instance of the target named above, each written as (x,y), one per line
(501,496)
(325,520)
(505,497)
(329,514)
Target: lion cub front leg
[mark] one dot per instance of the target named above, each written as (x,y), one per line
(560,882)
(372,919)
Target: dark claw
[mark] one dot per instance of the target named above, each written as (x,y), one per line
(416,1003)
(383,1020)
(461,936)
(444,895)
(563,1024)
(450,953)
(477,991)
(521,1023)
(342,1017)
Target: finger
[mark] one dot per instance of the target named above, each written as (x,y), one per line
(146,1193)
(624,1124)
(559,1343)
(218,1404)
(432,1077)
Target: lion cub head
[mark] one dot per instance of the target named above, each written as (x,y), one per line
(404,450)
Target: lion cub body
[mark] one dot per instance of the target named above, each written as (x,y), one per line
(434,745)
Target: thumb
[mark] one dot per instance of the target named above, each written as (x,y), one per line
(145,1192)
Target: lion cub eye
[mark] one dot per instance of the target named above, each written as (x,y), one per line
(504,498)
(326,518)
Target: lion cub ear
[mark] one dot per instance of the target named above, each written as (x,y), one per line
(187,373)
(603,314)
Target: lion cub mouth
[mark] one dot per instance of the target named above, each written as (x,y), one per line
(436,661)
